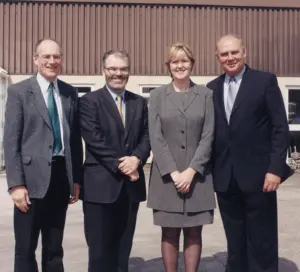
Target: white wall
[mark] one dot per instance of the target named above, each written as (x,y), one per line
(4,80)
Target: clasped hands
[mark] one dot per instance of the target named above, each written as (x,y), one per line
(128,166)
(183,180)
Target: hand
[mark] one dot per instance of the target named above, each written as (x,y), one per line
(176,177)
(74,198)
(187,177)
(272,183)
(19,195)
(128,164)
(134,176)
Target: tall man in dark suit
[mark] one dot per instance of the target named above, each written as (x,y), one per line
(43,157)
(114,125)
(249,152)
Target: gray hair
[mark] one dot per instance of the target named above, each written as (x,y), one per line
(118,53)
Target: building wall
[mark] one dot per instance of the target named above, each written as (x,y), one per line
(86,31)
(4,82)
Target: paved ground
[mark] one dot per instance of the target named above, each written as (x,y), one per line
(146,250)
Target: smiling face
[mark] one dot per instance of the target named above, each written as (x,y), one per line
(180,61)
(116,72)
(48,59)
(180,66)
(231,54)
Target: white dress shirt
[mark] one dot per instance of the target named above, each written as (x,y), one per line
(44,85)
(238,80)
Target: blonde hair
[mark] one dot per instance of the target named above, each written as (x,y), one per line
(175,48)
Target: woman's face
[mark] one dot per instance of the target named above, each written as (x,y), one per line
(180,66)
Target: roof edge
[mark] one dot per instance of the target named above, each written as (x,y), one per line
(229,3)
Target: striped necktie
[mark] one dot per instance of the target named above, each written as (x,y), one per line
(54,118)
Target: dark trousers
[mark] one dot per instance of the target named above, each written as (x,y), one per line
(250,223)
(47,216)
(109,230)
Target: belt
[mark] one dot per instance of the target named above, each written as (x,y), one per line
(58,159)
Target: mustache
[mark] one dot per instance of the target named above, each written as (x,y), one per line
(119,77)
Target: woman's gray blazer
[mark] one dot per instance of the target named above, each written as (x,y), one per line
(181,137)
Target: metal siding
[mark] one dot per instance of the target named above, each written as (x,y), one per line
(244,3)
(86,31)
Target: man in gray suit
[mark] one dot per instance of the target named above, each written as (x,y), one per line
(43,158)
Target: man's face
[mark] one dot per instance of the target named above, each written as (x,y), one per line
(116,72)
(231,55)
(48,60)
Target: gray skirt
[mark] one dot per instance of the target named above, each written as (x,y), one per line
(182,220)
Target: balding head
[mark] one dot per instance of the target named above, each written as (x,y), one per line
(231,53)
(47,58)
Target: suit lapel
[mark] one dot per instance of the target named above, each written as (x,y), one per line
(243,90)
(220,96)
(175,102)
(39,101)
(111,106)
(191,96)
(65,101)
(130,112)
(65,98)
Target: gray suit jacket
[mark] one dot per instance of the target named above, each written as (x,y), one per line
(181,136)
(28,137)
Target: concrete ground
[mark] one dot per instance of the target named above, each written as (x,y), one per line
(146,255)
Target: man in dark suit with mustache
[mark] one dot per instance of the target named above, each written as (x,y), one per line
(114,125)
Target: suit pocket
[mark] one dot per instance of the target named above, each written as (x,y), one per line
(26,159)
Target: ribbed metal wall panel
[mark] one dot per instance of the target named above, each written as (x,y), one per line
(86,31)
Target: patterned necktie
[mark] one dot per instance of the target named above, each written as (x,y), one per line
(54,118)
(119,105)
(232,92)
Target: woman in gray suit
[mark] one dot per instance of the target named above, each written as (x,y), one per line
(181,127)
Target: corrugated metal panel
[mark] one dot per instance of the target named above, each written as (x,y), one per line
(86,31)
(244,3)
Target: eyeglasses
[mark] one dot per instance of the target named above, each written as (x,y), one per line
(115,70)
(47,58)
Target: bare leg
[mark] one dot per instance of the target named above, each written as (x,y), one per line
(192,248)
(170,248)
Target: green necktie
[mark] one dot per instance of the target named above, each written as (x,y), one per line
(53,114)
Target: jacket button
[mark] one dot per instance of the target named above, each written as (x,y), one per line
(50,146)
(183,147)
(182,131)
(49,163)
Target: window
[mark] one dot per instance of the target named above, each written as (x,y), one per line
(146,89)
(294,123)
(83,89)
(294,107)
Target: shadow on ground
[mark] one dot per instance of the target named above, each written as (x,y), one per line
(215,263)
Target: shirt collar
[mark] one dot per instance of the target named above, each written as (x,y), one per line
(114,94)
(238,77)
(44,83)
